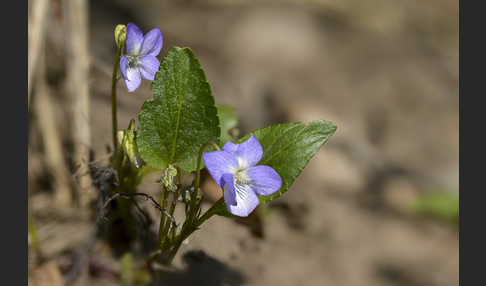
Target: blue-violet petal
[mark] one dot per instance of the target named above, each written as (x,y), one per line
(123,66)
(246,199)
(264,180)
(152,43)
(133,79)
(219,163)
(249,151)
(134,39)
(149,65)
(230,147)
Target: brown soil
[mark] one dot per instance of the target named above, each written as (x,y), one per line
(386,72)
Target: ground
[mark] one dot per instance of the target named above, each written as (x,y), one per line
(386,72)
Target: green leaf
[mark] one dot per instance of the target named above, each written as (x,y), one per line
(181,117)
(288,148)
(33,238)
(438,205)
(228,120)
(127,271)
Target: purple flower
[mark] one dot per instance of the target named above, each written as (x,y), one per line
(140,57)
(234,169)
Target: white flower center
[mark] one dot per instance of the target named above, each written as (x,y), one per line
(240,174)
(133,62)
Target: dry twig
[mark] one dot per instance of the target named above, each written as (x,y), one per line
(36,36)
(146,196)
(78,62)
(51,138)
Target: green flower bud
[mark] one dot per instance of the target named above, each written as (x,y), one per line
(120,35)
(126,139)
(169,178)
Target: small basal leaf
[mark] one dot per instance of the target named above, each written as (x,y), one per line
(227,120)
(439,205)
(127,271)
(181,117)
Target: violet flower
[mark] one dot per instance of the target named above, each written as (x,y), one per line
(234,169)
(140,59)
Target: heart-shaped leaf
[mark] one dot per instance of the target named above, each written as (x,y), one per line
(227,120)
(287,148)
(182,115)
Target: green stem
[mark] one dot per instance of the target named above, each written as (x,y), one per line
(168,223)
(114,119)
(198,170)
(166,226)
(175,196)
(151,258)
(190,225)
(188,229)
(209,213)
(163,219)
(178,242)
(193,209)
(34,239)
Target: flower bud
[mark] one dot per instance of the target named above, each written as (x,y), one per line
(169,178)
(120,35)
(126,139)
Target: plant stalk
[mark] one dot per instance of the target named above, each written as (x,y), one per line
(114,119)
(163,219)
(191,224)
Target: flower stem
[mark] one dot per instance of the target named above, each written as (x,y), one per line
(114,119)
(191,224)
(163,220)
(198,171)
(210,212)
(164,231)
(187,230)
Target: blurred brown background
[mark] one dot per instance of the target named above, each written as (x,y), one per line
(385,71)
